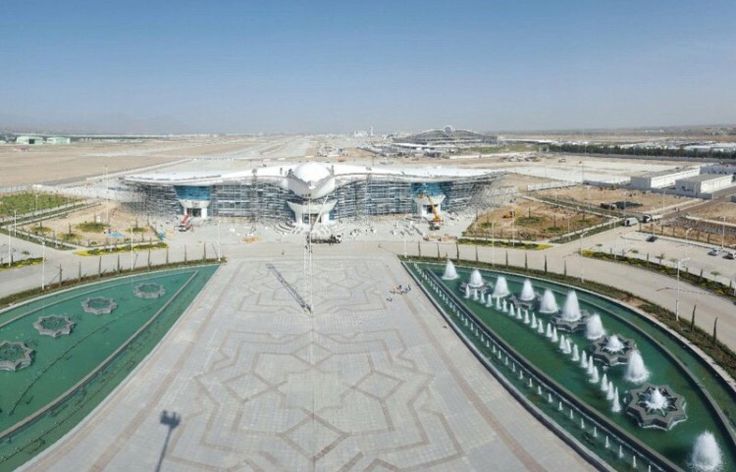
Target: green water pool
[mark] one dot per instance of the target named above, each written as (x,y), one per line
(71,373)
(656,347)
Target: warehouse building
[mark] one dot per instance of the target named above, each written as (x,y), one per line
(663,179)
(703,185)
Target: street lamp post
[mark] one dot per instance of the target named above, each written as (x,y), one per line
(493,245)
(43,265)
(723,231)
(580,252)
(677,296)
(10,252)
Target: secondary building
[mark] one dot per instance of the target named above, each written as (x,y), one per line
(663,179)
(309,192)
(702,185)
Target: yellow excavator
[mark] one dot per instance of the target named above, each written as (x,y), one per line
(436,222)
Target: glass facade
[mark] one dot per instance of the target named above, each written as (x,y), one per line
(256,198)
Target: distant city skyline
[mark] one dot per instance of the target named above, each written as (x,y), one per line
(334,67)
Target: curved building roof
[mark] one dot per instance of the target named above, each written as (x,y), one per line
(311,172)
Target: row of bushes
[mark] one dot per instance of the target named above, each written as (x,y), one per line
(122,248)
(504,243)
(67,283)
(21,263)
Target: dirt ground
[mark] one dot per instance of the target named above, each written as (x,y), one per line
(598,195)
(677,229)
(521,181)
(121,221)
(715,211)
(531,221)
(25,164)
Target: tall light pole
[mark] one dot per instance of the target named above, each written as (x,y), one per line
(582,266)
(10,252)
(43,265)
(107,203)
(723,231)
(219,242)
(493,245)
(677,296)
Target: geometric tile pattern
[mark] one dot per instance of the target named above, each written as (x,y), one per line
(362,383)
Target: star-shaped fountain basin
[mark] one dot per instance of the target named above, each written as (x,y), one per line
(54,325)
(14,355)
(656,406)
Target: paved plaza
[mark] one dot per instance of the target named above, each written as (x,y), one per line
(369,381)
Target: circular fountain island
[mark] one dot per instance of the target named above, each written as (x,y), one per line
(54,325)
(656,406)
(570,319)
(14,355)
(527,298)
(99,305)
(475,286)
(612,350)
(149,290)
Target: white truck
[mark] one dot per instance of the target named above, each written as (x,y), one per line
(631,221)
(650,218)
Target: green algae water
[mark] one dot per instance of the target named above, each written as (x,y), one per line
(658,349)
(71,373)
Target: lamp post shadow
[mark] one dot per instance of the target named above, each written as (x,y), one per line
(171,420)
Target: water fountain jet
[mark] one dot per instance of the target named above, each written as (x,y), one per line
(609,395)
(571,309)
(616,407)
(584,360)
(476,280)
(527,291)
(636,371)
(450,271)
(595,377)
(501,289)
(706,455)
(594,327)
(548,305)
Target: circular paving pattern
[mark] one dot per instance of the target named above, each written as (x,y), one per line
(99,305)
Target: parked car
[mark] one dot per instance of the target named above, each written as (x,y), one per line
(730,255)
(714,252)
(652,238)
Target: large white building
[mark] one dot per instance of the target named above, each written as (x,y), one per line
(309,192)
(663,178)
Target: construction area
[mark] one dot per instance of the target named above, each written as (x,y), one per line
(532,220)
(604,197)
(103,224)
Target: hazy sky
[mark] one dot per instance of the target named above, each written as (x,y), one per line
(334,66)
